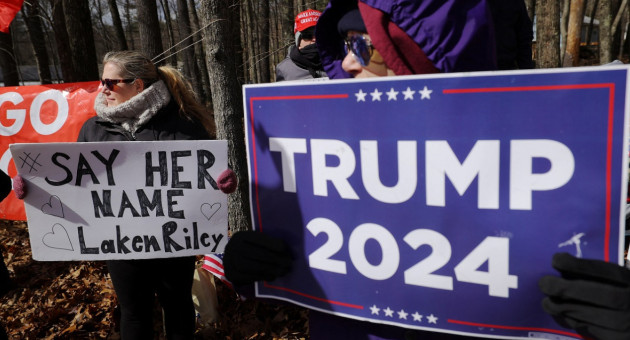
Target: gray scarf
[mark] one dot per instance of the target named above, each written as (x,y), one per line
(136,111)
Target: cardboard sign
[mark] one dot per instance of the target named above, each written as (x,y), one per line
(40,114)
(123,200)
(437,202)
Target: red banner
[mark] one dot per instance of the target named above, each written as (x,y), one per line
(8,10)
(40,114)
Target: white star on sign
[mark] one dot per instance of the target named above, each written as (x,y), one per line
(375,309)
(425,93)
(432,319)
(416,316)
(392,95)
(376,95)
(360,96)
(408,93)
(388,312)
(402,314)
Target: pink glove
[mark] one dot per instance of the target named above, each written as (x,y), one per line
(19,186)
(227,181)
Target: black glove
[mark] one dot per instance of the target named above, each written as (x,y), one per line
(592,297)
(253,256)
(5,185)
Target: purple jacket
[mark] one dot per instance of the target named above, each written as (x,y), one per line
(454,36)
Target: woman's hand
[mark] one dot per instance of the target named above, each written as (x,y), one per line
(227,181)
(19,187)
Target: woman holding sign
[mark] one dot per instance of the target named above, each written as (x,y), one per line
(142,102)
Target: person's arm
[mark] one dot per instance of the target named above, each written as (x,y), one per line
(279,74)
(591,296)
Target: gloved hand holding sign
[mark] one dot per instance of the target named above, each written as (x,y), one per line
(592,297)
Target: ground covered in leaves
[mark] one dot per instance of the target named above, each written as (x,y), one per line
(76,300)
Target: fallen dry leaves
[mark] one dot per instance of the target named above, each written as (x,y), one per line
(76,300)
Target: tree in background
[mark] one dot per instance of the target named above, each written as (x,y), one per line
(547,33)
(227,102)
(118,27)
(149,28)
(32,17)
(10,74)
(62,41)
(81,39)
(191,69)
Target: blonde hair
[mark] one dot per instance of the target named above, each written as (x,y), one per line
(134,64)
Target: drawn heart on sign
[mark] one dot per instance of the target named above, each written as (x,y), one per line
(208,210)
(53,207)
(58,238)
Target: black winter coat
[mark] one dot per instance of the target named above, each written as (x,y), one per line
(167,124)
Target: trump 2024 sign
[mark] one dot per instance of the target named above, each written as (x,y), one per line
(437,202)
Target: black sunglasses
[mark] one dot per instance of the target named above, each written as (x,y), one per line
(109,83)
(360,47)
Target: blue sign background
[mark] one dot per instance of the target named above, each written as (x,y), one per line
(584,110)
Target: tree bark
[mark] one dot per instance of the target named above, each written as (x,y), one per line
(227,101)
(118,27)
(10,74)
(81,39)
(264,68)
(149,28)
(62,42)
(576,17)
(547,34)
(564,18)
(33,21)
(605,37)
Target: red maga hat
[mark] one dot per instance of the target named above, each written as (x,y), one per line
(306,19)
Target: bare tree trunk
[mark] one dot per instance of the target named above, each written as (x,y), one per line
(149,28)
(79,26)
(172,60)
(251,47)
(547,34)
(200,54)
(572,53)
(33,21)
(227,101)
(615,24)
(605,37)
(265,76)
(564,18)
(62,42)
(236,38)
(118,27)
(10,74)
(191,70)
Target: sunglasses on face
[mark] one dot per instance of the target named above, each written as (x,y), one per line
(360,47)
(109,83)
